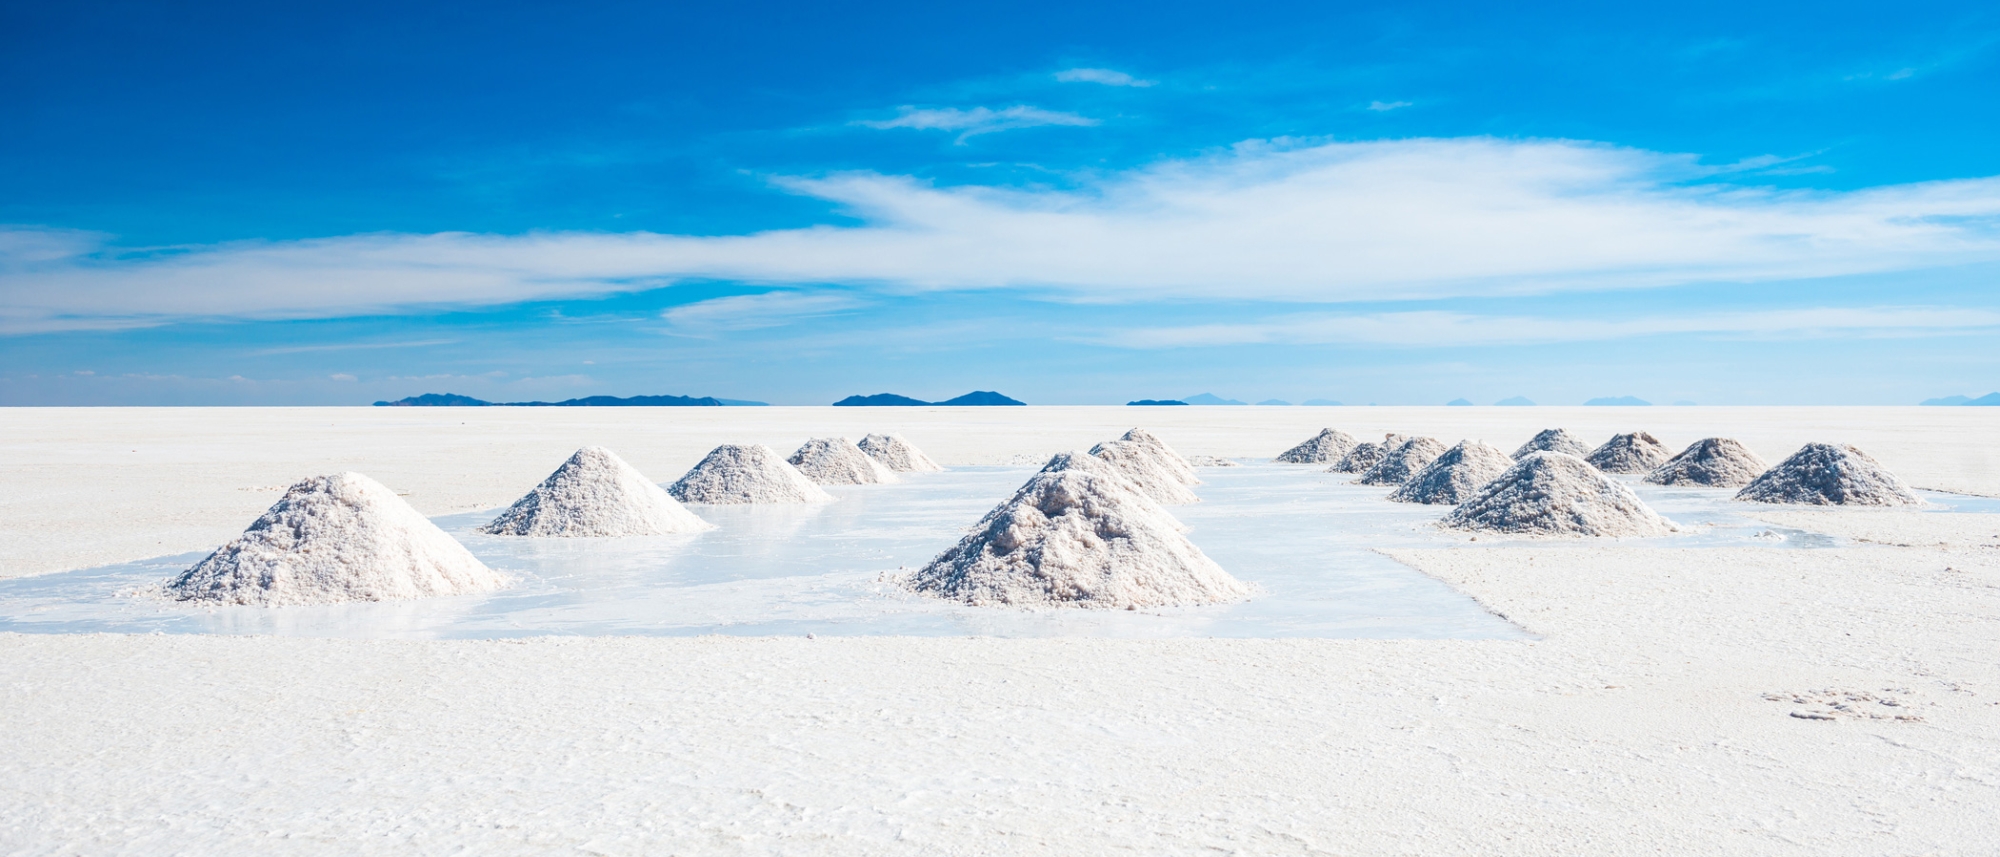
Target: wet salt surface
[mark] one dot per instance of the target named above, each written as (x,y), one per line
(1307,539)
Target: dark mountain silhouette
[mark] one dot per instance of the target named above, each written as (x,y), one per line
(981,397)
(1157,402)
(435,400)
(879,400)
(453,400)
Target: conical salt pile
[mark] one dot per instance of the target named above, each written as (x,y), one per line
(1403,462)
(333,539)
(1077,538)
(1366,455)
(1553,440)
(1636,452)
(1552,494)
(898,454)
(1716,461)
(1824,474)
(1326,447)
(1145,469)
(595,493)
(1453,476)
(751,473)
(837,461)
(1164,455)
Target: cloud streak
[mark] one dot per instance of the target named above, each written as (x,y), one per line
(978,120)
(1108,77)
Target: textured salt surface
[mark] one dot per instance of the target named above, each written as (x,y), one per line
(1455,475)
(334,539)
(595,493)
(1633,452)
(1402,462)
(1552,494)
(897,454)
(1716,461)
(1553,440)
(1163,455)
(736,474)
(838,461)
(1145,469)
(1326,447)
(1365,455)
(1824,474)
(1074,538)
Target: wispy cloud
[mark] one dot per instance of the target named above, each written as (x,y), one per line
(350,346)
(1108,77)
(978,120)
(751,312)
(1386,106)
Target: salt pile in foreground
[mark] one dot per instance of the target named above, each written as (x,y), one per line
(1455,475)
(752,473)
(595,493)
(334,539)
(838,461)
(1824,474)
(1154,468)
(1714,461)
(1403,461)
(1553,440)
(897,454)
(1366,455)
(1324,448)
(1077,537)
(1634,452)
(1553,494)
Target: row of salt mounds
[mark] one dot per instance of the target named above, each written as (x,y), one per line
(1077,537)
(1553,440)
(1366,455)
(1823,474)
(595,493)
(1635,452)
(1553,494)
(1151,466)
(1324,448)
(837,461)
(1404,461)
(334,539)
(1455,475)
(751,473)
(1714,461)
(898,454)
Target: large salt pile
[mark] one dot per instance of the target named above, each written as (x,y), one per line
(333,539)
(1076,537)
(1553,494)
(1164,455)
(1403,462)
(1553,440)
(1453,476)
(1144,468)
(898,454)
(1366,455)
(1716,461)
(751,473)
(595,493)
(1635,452)
(1326,447)
(837,461)
(1824,474)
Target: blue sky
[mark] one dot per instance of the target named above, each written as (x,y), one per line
(1070,203)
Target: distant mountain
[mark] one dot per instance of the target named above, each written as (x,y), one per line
(1210,399)
(1618,400)
(1156,402)
(981,397)
(1458,403)
(452,400)
(1516,401)
(1275,402)
(1948,400)
(879,400)
(1321,402)
(436,400)
(743,403)
(1990,399)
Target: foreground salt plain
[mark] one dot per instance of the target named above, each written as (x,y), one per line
(1843,700)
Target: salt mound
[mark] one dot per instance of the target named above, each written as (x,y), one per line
(333,539)
(1553,440)
(1366,455)
(1403,462)
(1553,494)
(1453,476)
(751,473)
(1077,538)
(1715,461)
(1636,452)
(837,461)
(1164,455)
(595,493)
(1823,474)
(1327,446)
(898,454)
(1146,470)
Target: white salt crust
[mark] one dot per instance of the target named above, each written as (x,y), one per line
(735,474)
(1553,494)
(1714,461)
(1403,461)
(1553,440)
(595,493)
(1633,452)
(1455,475)
(1824,474)
(334,539)
(1366,455)
(1329,446)
(897,454)
(838,461)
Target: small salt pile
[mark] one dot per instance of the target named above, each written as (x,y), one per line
(749,473)
(334,539)
(1323,448)
(898,454)
(1076,537)
(837,461)
(1164,455)
(1553,494)
(1716,461)
(1403,462)
(1553,440)
(1455,475)
(1824,474)
(1145,469)
(595,493)
(1635,452)
(1366,455)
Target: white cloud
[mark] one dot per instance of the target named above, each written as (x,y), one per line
(978,120)
(750,312)
(1403,219)
(1108,77)
(1386,106)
